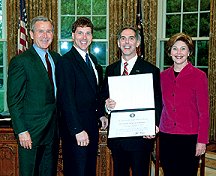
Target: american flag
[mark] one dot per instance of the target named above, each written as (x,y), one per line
(139,23)
(22,30)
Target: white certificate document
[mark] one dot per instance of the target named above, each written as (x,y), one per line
(132,123)
(132,91)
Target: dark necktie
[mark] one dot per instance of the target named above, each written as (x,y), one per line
(49,69)
(125,72)
(88,62)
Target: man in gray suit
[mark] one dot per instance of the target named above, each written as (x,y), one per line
(32,104)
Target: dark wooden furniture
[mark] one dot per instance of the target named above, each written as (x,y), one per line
(9,155)
(104,159)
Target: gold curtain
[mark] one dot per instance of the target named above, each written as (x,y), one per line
(212,70)
(33,8)
(150,29)
(123,13)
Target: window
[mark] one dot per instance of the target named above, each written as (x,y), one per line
(190,17)
(97,11)
(3,58)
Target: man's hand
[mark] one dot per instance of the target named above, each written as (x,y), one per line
(110,104)
(104,122)
(82,139)
(152,136)
(25,140)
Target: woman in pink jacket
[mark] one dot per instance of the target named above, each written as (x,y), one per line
(185,116)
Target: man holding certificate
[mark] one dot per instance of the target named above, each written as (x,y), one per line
(133,102)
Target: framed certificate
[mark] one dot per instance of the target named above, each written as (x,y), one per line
(132,123)
(134,113)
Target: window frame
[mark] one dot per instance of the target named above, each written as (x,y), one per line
(5,59)
(106,40)
(161,33)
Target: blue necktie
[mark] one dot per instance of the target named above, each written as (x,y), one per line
(88,62)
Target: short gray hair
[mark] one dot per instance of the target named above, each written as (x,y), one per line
(40,18)
(137,34)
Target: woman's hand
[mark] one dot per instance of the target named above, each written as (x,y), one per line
(200,149)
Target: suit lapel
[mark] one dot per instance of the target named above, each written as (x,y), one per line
(53,57)
(85,69)
(136,68)
(38,64)
(117,69)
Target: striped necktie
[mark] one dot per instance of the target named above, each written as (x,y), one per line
(125,72)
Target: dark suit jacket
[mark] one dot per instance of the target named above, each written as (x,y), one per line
(30,97)
(140,67)
(77,95)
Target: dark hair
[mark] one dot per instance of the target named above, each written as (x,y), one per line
(82,22)
(137,35)
(40,18)
(180,37)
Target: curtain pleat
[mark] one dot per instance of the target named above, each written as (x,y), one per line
(123,13)
(12,26)
(212,70)
(150,29)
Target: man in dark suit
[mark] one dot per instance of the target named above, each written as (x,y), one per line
(32,103)
(78,78)
(131,152)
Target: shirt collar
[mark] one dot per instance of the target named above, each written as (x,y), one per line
(40,51)
(131,62)
(81,52)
